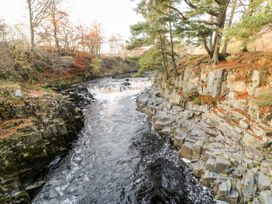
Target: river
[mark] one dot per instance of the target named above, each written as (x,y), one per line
(118,158)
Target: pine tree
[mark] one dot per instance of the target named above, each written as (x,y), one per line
(257,15)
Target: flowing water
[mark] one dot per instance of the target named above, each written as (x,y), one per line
(119,159)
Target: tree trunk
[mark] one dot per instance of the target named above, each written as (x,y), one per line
(218,35)
(172,49)
(211,37)
(55,26)
(225,45)
(163,58)
(31,26)
(215,56)
(208,50)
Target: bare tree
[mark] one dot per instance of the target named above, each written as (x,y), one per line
(116,44)
(58,19)
(231,16)
(38,11)
(81,31)
(3,30)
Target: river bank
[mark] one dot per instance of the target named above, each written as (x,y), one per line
(41,103)
(119,159)
(225,136)
(36,128)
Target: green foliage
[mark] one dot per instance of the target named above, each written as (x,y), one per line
(150,60)
(48,89)
(258,16)
(265,99)
(96,65)
(141,35)
(204,100)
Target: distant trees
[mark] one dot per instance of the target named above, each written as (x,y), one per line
(37,12)
(116,43)
(3,30)
(168,24)
(94,39)
(229,22)
(90,38)
(50,26)
(57,18)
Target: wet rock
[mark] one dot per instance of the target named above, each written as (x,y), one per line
(265,197)
(208,177)
(21,197)
(158,125)
(161,122)
(80,95)
(166,131)
(27,153)
(52,201)
(34,188)
(220,202)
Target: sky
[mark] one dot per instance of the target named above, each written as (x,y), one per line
(116,16)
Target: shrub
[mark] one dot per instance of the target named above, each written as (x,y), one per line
(205,100)
(265,99)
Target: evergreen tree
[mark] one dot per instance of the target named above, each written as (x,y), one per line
(257,15)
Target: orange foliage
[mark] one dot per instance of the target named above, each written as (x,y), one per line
(11,127)
(205,99)
(242,95)
(181,93)
(241,112)
(81,60)
(265,109)
(221,110)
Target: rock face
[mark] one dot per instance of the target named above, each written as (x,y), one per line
(225,143)
(43,128)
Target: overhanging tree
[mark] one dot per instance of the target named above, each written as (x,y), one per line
(203,21)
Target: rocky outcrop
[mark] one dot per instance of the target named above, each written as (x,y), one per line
(213,118)
(35,131)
